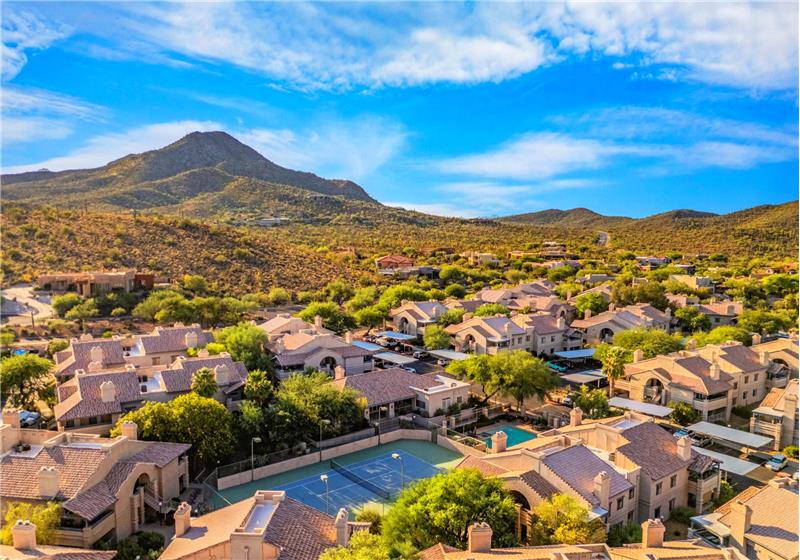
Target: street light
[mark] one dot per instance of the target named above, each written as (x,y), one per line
(402,470)
(378,423)
(321,423)
(253,457)
(324,478)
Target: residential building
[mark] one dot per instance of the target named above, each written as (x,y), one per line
(268,526)
(389,263)
(283,324)
(413,316)
(488,335)
(721,313)
(554,250)
(105,486)
(393,392)
(309,349)
(478,258)
(652,547)
(651,263)
(159,348)
(760,523)
(780,351)
(548,334)
(604,290)
(777,416)
(595,278)
(671,474)
(96,283)
(94,401)
(693,282)
(24,547)
(603,326)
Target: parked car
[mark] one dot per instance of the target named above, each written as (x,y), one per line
(27,418)
(556,367)
(570,399)
(419,354)
(777,463)
(409,369)
(442,362)
(698,440)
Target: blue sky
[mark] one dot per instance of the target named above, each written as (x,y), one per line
(455,109)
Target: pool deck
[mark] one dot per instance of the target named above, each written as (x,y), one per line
(427,451)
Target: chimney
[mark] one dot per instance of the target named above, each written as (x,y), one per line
(222,374)
(203,353)
(668,312)
(49,482)
(638,355)
(342,529)
(96,355)
(130,430)
(575,417)
(338,372)
(86,337)
(507,329)
(763,358)
(739,520)
(587,314)
(569,295)
(499,440)
(756,338)
(191,339)
(731,310)
(691,344)
(685,448)
(348,337)
(108,392)
(183,519)
(713,369)
(466,317)
(561,323)
(652,533)
(317,322)
(602,487)
(479,537)
(11,417)
(23,535)
(612,307)
(279,346)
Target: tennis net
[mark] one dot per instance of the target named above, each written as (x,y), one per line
(361,481)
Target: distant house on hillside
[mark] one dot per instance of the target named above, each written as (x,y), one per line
(604,326)
(96,283)
(393,262)
(476,258)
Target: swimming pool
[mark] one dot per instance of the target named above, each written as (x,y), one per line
(515,435)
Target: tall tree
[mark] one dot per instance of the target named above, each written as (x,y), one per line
(363,545)
(333,317)
(614,366)
(526,376)
(22,378)
(563,520)
(46,517)
(258,387)
(204,383)
(245,342)
(436,338)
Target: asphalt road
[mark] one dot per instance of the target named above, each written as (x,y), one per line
(22,294)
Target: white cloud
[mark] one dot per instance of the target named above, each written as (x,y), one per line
(440,209)
(24,31)
(102,149)
(28,129)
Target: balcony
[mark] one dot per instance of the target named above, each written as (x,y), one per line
(85,537)
(706,405)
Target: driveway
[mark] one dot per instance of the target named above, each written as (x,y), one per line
(22,295)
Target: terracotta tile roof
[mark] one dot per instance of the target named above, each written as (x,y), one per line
(178,378)
(48,552)
(87,402)
(725,308)
(742,496)
(78,355)
(670,550)
(774,522)
(485,467)
(639,315)
(159,453)
(172,339)
(539,485)
(436,552)
(383,386)
(19,476)
(732,357)
(577,466)
(541,324)
(421,310)
(652,448)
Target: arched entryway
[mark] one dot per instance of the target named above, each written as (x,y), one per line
(327,364)
(606,334)
(654,391)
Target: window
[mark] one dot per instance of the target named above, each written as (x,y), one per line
(735,384)
(156,361)
(755,378)
(657,513)
(658,490)
(527,338)
(459,400)
(746,379)
(543,339)
(105,419)
(620,502)
(630,516)
(420,404)
(92,420)
(673,480)
(630,494)
(744,395)
(70,424)
(754,392)
(446,402)
(672,504)
(552,339)
(733,402)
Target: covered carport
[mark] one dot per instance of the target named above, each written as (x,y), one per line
(394,359)
(593,379)
(398,336)
(654,410)
(731,465)
(448,355)
(730,437)
(576,355)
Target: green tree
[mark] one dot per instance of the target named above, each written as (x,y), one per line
(62,304)
(652,342)
(563,520)
(614,366)
(525,376)
(560,273)
(683,413)
(780,285)
(593,402)
(364,297)
(648,292)
(370,317)
(57,345)
(339,291)
(723,334)
(491,309)
(455,290)
(451,317)
(202,422)
(436,338)
(175,308)
(23,378)
(279,296)
(691,319)
(333,317)
(592,300)
(258,387)
(363,545)
(479,369)
(84,310)
(441,509)
(622,534)
(194,283)
(245,342)
(152,304)
(726,493)
(204,383)
(394,295)
(251,419)
(46,517)
(452,274)
(762,322)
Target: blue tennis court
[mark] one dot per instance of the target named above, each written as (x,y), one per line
(383,473)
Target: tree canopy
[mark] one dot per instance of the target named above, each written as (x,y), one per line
(245,342)
(22,378)
(46,517)
(491,309)
(592,300)
(563,520)
(204,383)
(363,545)
(691,319)
(614,365)
(436,338)
(333,316)
(440,510)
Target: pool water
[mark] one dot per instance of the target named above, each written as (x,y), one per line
(515,435)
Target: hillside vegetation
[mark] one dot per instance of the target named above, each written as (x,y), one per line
(238,260)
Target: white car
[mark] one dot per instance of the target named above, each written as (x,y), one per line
(777,463)
(419,354)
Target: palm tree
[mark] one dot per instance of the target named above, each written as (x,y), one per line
(614,366)
(203,383)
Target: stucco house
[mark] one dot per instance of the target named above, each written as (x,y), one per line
(284,323)
(96,283)
(413,316)
(777,416)
(782,351)
(105,486)
(549,334)
(603,326)
(488,335)
(390,263)
(24,547)
(309,349)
